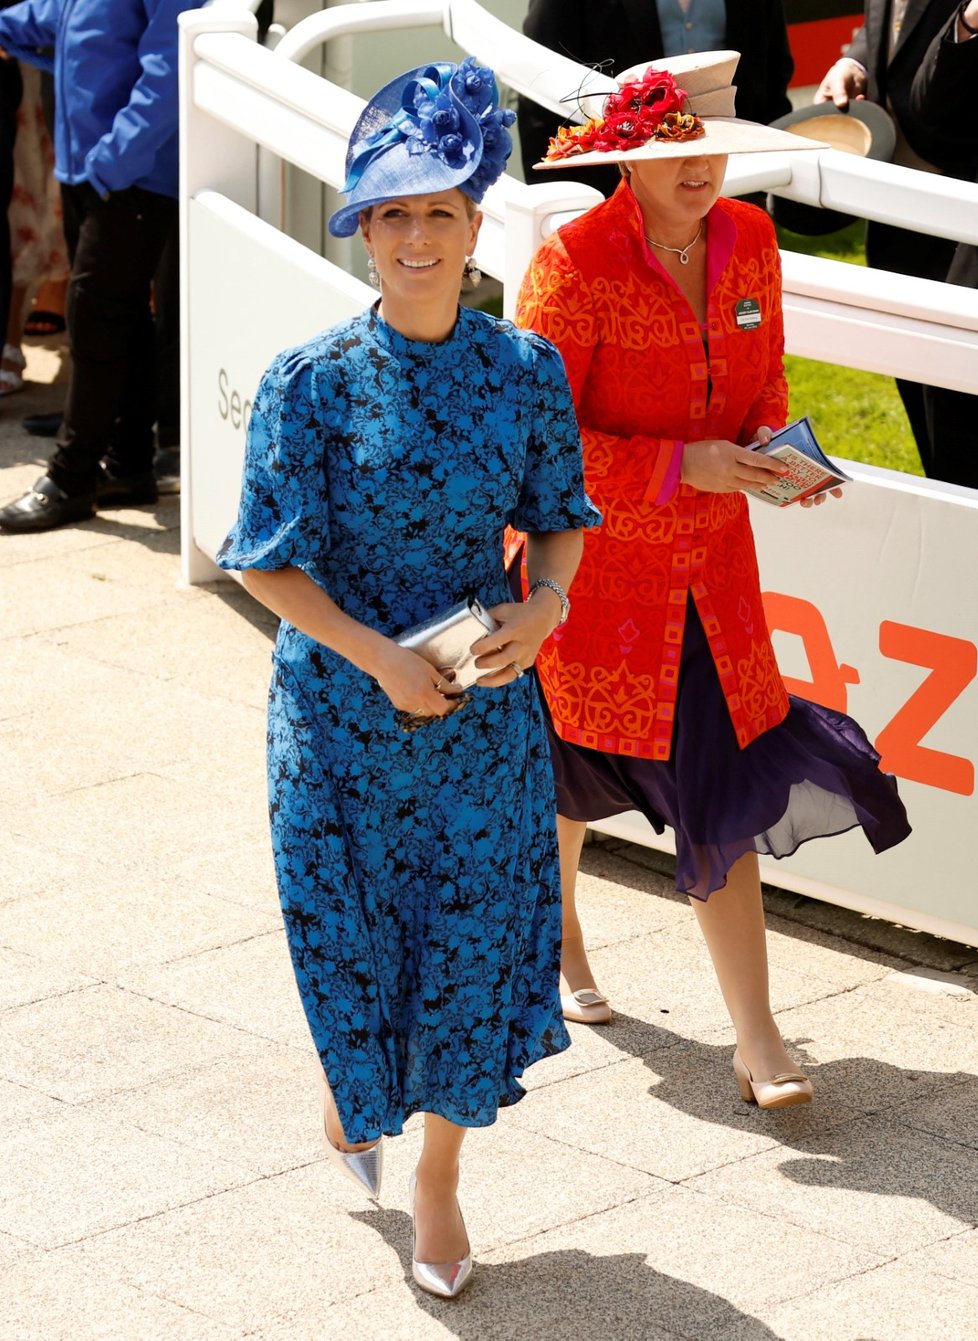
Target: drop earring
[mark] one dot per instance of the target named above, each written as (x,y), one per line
(471,275)
(373,274)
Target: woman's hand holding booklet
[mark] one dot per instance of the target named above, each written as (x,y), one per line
(810,474)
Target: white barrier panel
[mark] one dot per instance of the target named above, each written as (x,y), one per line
(255,293)
(868,618)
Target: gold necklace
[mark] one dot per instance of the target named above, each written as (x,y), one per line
(681,252)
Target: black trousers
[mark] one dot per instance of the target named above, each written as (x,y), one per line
(906,253)
(115,246)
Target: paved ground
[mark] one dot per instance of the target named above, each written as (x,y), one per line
(162,1174)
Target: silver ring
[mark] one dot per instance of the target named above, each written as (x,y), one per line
(515,666)
(439,686)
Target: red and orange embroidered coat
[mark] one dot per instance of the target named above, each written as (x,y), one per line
(642,386)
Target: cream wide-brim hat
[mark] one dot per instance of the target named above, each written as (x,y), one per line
(707,78)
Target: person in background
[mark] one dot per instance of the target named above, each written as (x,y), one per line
(663,687)
(40,261)
(942,98)
(881,64)
(613,34)
(11,358)
(413,831)
(115,68)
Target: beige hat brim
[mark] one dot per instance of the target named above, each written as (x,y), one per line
(723,135)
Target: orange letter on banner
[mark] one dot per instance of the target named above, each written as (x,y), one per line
(827,686)
(952,663)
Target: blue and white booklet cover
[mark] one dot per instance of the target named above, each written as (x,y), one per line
(810,471)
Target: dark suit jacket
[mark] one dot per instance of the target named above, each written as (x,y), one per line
(617,34)
(892,80)
(942,99)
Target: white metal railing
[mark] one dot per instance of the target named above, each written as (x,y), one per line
(861,599)
(842,314)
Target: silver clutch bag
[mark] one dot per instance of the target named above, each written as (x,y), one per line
(446,638)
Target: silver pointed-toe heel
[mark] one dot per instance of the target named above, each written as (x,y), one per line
(364,1167)
(445,1279)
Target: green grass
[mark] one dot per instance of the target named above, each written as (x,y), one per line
(857,415)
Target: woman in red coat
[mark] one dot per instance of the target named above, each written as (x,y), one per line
(663,688)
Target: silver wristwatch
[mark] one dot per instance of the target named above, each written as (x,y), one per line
(554,586)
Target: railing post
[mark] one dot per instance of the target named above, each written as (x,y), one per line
(211,156)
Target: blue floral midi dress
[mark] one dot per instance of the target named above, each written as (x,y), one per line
(417,872)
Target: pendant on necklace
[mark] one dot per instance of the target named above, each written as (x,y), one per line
(683,258)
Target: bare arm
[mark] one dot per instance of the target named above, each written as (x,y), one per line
(407,679)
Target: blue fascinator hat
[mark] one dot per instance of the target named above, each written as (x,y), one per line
(431,129)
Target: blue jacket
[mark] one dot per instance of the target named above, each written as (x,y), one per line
(115,86)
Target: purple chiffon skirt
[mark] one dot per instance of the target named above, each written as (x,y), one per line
(813,775)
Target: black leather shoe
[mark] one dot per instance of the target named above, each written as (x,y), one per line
(42,425)
(124,490)
(166,468)
(45,507)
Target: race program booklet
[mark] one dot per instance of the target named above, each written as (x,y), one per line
(810,470)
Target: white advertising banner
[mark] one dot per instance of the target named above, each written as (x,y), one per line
(873,611)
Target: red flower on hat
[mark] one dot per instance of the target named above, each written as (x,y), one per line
(650,108)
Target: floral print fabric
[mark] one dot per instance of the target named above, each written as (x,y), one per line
(417,871)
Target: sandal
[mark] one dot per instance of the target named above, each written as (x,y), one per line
(42,322)
(11,380)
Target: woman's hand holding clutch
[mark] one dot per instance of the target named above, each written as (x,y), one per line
(413,685)
(512,649)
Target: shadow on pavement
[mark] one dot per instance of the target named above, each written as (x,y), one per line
(554,1296)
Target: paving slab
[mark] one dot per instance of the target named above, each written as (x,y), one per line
(244,874)
(551,1297)
(110,926)
(22,1103)
(189,646)
(955,1258)
(102,1039)
(89,818)
(683,1263)
(667,977)
(26,977)
(97,583)
(248,986)
(51,1299)
(911,1189)
(257,1253)
(258,1108)
(876,1049)
(891,1303)
(78,1174)
(674,1115)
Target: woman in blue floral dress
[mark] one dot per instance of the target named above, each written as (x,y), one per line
(417,869)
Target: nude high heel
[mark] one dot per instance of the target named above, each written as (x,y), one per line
(585,1006)
(781,1091)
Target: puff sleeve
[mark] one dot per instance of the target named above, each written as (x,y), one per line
(283,515)
(552,497)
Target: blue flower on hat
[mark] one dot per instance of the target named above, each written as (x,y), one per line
(433,129)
